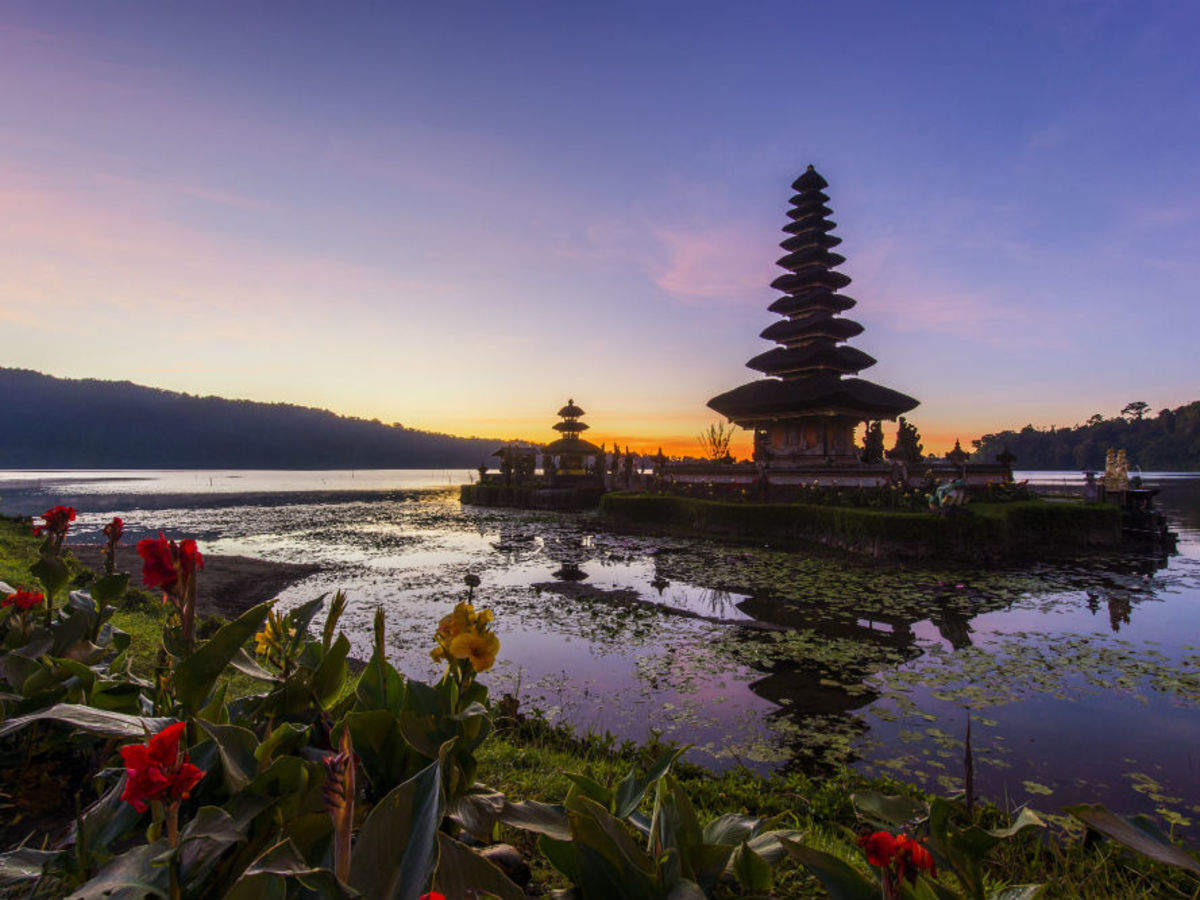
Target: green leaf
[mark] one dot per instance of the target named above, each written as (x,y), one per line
(731,829)
(236,747)
(52,572)
(631,789)
(841,880)
(110,588)
(23,864)
(479,811)
(198,671)
(269,875)
(327,679)
(302,615)
(396,851)
(248,665)
(751,870)
(1133,835)
(101,722)
(284,739)
(215,711)
(609,863)
(460,870)
(134,871)
(582,785)
(890,811)
(1026,818)
(769,844)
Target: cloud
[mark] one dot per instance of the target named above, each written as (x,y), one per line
(728,264)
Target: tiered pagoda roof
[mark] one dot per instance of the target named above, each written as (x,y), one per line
(807,372)
(570,428)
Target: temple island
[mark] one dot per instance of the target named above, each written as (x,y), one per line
(808,479)
(566,473)
(804,413)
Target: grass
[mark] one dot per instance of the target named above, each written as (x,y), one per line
(527,759)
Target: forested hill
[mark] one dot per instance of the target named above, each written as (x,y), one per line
(1168,439)
(48,422)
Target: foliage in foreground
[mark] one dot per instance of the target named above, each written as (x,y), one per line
(324,783)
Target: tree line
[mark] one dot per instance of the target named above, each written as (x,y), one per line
(1166,440)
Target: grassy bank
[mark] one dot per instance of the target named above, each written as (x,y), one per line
(993,531)
(140,612)
(528,759)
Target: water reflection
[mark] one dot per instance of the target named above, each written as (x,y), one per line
(757,658)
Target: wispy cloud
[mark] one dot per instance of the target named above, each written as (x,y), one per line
(727,264)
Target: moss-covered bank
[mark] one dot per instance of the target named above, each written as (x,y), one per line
(982,531)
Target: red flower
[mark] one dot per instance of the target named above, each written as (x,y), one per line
(432,895)
(56,520)
(912,857)
(189,558)
(165,562)
(157,771)
(900,854)
(23,600)
(880,848)
(114,529)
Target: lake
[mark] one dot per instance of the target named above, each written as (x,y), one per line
(1082,679)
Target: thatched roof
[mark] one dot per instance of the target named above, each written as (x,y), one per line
(570,426)
(812,255)
(810,277)
(821,354)
(820,298)
(773,397)
(571,445)
(807,238)
(810,181)
(819,322)
(570,411)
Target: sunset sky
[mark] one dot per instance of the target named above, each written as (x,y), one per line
(456,215)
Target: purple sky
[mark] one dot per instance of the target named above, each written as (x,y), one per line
(457,215)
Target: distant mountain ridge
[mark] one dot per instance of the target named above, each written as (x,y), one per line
(53,423)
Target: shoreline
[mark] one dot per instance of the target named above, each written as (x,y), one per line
(231,584)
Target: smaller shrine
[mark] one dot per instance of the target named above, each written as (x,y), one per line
(570,456)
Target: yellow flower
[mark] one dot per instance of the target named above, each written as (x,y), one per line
(273,637)
(480,647)
(458,621)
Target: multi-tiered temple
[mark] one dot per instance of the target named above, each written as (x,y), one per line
(807,407)
(570,454)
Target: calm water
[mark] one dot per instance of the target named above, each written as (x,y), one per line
(1082,679)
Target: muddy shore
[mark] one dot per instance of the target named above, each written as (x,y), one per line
(229,585)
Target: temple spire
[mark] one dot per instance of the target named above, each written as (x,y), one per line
(807,372)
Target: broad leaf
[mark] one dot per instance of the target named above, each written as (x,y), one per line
(460,869)
(751,870)
(731,829)
(1137,836)
(841,880)
(101,722)
(110,588)
(23,864)
(198,671)
(631,789)
(890,811)
(134,871)
(236,747)
(52,572)
(396,851)
(269,875)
